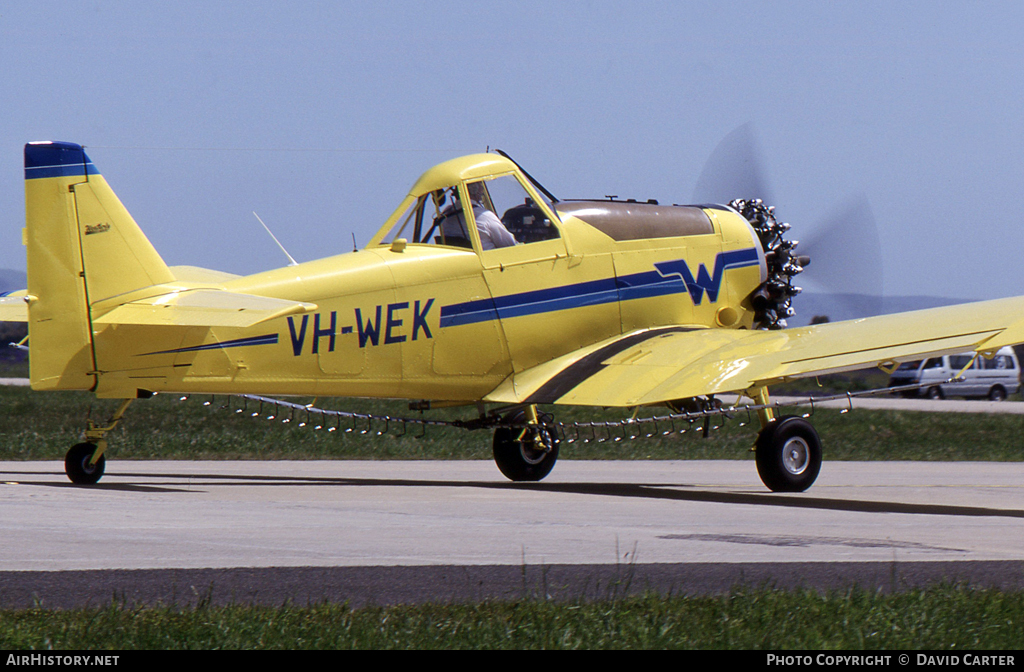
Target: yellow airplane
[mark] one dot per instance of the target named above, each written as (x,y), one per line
(512,300)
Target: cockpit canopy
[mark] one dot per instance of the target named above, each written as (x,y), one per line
(504,209)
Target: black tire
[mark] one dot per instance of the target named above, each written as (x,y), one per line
(935,393)
(77,467)
(788,454)
(522,460)
(997,393)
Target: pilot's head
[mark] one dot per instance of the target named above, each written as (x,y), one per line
(476,191)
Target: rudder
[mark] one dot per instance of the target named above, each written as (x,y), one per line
(83,248)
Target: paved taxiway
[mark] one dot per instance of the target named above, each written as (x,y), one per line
(291,530)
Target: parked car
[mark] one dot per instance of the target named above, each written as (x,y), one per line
(995,378)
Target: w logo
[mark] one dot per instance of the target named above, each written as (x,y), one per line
(704,282)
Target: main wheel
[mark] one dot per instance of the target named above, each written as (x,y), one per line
(529,459)
(788,454)
(77,467)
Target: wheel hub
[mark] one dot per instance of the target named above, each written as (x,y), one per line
(796,455)
(535,448)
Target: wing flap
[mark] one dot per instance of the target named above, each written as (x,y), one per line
(658,365)
(203,308)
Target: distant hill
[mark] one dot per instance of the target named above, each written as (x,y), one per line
(11,280)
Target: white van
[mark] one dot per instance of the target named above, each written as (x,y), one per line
(995,378)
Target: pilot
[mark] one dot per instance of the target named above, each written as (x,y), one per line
(492,232)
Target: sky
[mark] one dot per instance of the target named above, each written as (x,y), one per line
(319,116)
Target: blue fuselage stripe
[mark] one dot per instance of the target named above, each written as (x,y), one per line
(646,285)
(267,339)
(595,292)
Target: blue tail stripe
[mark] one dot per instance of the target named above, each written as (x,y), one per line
(38,172)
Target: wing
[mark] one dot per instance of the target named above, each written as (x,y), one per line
(13,307)
(668,363)
(203,308)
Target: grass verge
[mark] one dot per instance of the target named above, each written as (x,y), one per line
(944,618)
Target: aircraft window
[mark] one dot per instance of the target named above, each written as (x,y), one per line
(449,224)
(519,213)
(504,211)
(399,229)
(422,222)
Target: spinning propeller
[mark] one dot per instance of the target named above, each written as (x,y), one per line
(845,247)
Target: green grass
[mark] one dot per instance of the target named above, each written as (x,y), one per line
(37,425)
(944,618)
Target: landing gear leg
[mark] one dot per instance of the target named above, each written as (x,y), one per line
(761,398)
(787,452)
(84,463)
(525,453)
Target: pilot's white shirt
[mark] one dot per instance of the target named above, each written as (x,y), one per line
(492,232)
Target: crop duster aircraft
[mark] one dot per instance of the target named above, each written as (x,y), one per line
(604,303)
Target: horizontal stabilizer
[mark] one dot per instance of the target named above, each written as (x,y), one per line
(203,308)
(13,307)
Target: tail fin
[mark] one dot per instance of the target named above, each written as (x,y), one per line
(83,247)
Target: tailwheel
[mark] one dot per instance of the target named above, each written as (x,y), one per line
(527,452)
(788,454)
(84,463)
(79,466)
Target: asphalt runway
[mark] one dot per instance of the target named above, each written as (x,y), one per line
(370,532)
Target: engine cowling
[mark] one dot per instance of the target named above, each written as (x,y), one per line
(773,299)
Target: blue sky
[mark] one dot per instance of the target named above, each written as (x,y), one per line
(320,115)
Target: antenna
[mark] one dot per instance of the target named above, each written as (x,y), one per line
(291,261)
